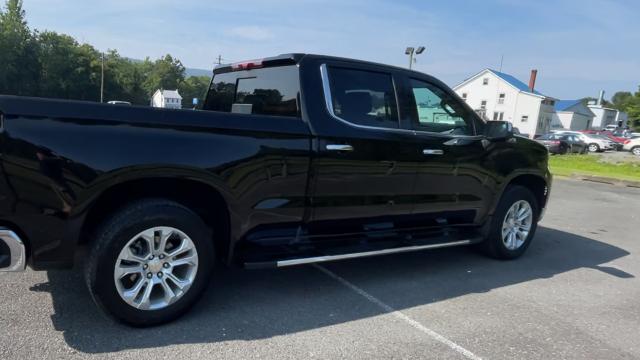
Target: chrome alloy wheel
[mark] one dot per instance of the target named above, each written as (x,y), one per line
(517,224)
(156,268)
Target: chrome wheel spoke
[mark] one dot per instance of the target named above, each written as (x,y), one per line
(123,270)
(131,294)
(148,237)
(145,301)
(169,295)
(164,236)
(187,260)
(182,248)
(181,284)
(128,255)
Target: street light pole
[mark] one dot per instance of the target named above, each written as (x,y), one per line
(412,52)
(102,81)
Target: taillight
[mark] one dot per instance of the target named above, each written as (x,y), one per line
(247,65)
(627,141)
(555,142)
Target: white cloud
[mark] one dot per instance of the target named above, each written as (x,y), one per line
(255,33)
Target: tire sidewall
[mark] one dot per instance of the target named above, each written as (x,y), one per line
(113,240)
(494,240)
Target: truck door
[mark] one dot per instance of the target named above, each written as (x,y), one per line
(451,186)
(362,170)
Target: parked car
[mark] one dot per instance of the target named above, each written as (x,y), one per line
(118,102)
(563,143)
(618,142)
(634,146)
(293,159)
(595,143)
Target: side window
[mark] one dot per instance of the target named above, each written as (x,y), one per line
(439,112)
(364,97)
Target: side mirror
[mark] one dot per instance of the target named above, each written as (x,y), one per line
(498,130)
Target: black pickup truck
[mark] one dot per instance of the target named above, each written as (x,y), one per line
(292,159)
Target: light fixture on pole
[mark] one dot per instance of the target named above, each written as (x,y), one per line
(412,52)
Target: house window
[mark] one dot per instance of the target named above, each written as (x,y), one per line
(485,81)
(464,96)
(498,116)
(501,98)
(525,118)
(483,104)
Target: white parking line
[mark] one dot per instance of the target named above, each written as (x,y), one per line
(459,349)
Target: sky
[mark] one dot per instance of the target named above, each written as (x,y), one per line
(579,46)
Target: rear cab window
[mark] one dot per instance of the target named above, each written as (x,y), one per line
(273,91)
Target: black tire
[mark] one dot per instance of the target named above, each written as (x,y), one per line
(112,236)
(593,148)
(636,150)
(564,149)
(493,244)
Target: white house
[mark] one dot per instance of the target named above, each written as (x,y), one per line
(166,99)
(500,96)
(603,116)
(572,115)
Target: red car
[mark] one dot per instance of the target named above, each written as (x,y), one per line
(620,141)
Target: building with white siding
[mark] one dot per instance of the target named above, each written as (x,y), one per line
(572,115)
(499,96)
(170,99)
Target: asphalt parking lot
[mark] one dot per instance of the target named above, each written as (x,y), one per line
(574,295)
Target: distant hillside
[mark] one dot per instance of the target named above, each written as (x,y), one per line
(198,72)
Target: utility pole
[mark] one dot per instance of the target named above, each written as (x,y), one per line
(102,81)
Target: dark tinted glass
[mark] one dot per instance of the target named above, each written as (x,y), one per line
(439,112)
(364,97)
(269,91)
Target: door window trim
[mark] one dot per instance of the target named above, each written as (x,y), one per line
(326,88)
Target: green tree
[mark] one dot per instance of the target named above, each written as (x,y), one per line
(68,70)
(194,87)
(632,108)
(164,73)
(621,100)
(20,68)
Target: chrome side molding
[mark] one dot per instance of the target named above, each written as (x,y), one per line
(17,252)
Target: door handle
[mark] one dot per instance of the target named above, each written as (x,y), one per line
(339,147)
(432,152)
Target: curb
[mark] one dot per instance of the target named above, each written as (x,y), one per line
(606,180)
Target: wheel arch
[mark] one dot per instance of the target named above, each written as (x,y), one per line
(204,199)
(538,184)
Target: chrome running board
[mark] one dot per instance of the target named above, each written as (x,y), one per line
(326,258)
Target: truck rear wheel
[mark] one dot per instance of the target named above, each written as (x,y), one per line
(149,262)
(513,225)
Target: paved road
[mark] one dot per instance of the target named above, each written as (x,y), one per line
(574,295)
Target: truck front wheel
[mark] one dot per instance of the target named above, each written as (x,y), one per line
(513,225)
(149,262)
